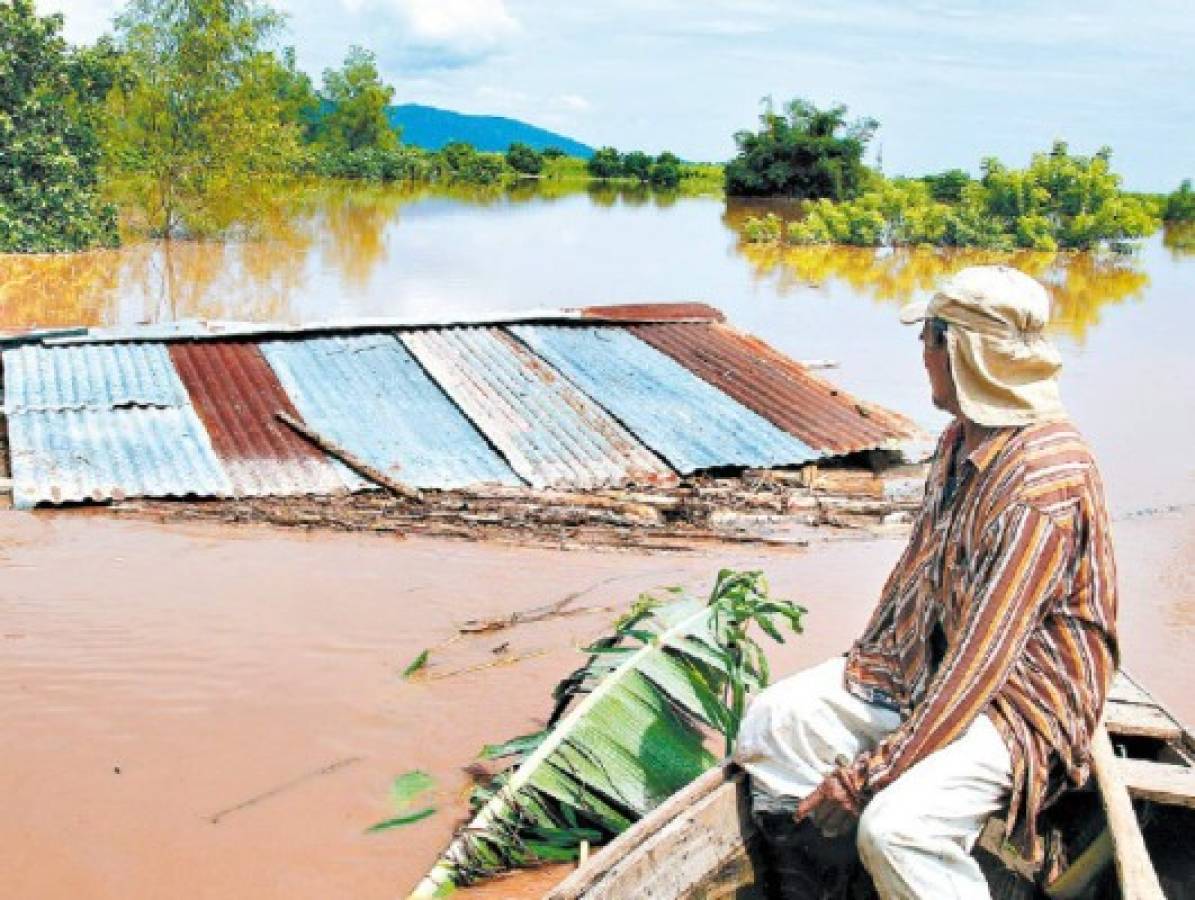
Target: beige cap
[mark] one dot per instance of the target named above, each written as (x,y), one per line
(1005,368)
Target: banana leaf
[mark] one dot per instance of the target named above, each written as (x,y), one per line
(628,730)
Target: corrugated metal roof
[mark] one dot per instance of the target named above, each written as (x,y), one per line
(778,388)
(552,434)
(686,420)
(654,312)
(237,396)
(369,395)
(63,456)
(95,376)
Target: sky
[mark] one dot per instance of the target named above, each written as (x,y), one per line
(950,82)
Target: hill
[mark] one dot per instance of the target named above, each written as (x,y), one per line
(432,128)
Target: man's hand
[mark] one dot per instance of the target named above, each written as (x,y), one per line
(832,808)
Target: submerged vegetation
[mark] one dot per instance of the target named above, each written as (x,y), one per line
(1180,205)
(805,153)
(1059,201)
(627,731)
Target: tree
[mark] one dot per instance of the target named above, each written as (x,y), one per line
(358,99)
(197,137)
(552,153)
(298,102)
(49,149)
(523,159)
(605,163)
(806,153)
(947,187)
(637,165)
(666,171)
(1180,205)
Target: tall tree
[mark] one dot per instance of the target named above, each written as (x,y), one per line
(198,137)
(806,152)
(358,98)
(298,102)
(49,151)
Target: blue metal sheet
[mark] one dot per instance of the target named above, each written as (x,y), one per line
(686,420)
(92,376)
(369,395)
(552,434)
(63,456)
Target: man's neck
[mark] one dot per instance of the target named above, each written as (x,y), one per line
(973,435)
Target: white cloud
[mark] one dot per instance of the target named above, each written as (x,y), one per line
(429,34)
(574,102)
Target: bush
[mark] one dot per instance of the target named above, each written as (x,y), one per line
(665,171)
(636,165)
(368,164)
(605,163)
(459,161)
(1059,202)
(524,160)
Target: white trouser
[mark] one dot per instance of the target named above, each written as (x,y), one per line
(916,835)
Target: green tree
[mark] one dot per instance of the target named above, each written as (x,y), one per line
(357,99)
(197,138)
(805,153)
(49,150)
(298,102)
(947,187)
(552,153)
(605,163)
(1180,205)
(523,159)
(637,165)
(666,171)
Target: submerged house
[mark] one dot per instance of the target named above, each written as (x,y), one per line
(598,398)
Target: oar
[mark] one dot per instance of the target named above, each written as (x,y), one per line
(1138,880)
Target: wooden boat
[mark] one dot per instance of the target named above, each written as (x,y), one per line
(702,842)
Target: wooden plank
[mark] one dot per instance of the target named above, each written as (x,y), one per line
(1160,782)
(1134,720)
(1125,690)
(694,834)
(1138,880)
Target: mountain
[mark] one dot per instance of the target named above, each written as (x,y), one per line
(432,128)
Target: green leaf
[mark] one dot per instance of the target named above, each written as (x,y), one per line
(416,664)
(410,785)
(398,821)
(629,730)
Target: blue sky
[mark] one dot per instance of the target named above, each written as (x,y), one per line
(950,82)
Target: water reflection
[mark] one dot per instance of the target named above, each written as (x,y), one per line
(348,250)
(1081,284)
(1179,239)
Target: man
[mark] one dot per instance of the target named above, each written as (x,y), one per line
(981,676)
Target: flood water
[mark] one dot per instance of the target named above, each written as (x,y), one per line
(217,712)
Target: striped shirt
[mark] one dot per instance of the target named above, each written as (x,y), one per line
(1004,603)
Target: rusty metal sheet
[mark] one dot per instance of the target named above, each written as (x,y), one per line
(237,397)
(684,419)
(654,312)
(72,455)
(368,394)
(552,435)
(778,388)
(94,376)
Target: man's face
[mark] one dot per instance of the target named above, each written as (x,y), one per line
(937,366)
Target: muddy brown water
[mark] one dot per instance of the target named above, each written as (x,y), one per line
(156,678)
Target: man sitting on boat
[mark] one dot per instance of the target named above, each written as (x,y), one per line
(980,679)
